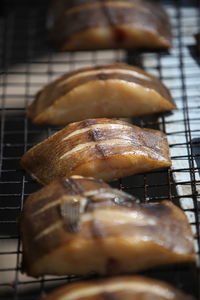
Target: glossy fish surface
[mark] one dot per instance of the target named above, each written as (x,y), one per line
(80,225)
(116,90)
(89,25)
(102,148)
(120,288)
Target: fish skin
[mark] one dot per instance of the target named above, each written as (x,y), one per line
(111,24)
(91,92)
(119,288)
(104,152)
(107,231)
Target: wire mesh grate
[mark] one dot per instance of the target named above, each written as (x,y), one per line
(27,63)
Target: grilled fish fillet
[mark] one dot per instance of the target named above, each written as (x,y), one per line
(101,148)
(79,225)
(116,90)
(119,288)
(104,24)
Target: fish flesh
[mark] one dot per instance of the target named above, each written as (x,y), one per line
(80,225)
(119,288)
(108,24)
(115,91)
(102,148)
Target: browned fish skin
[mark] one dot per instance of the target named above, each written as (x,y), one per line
(119,288)
(109,24)
(101,148)
(91,92)
(76,223)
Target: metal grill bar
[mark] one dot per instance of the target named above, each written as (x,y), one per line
(27,63)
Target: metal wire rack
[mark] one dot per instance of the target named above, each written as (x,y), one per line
(27,63)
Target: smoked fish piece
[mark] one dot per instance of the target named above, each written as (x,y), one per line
(115,91)
(80,225)
(108,24)
(102,148)
(119,288)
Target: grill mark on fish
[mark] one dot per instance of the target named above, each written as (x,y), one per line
(70,223)
(71,207)
(113,196)
(103,72)
(43,208)
(122,141)
(148,84)
(96,127)
(116,141)
(73,80)
(43,203)
(95,135)
(48,230)
(44,161)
